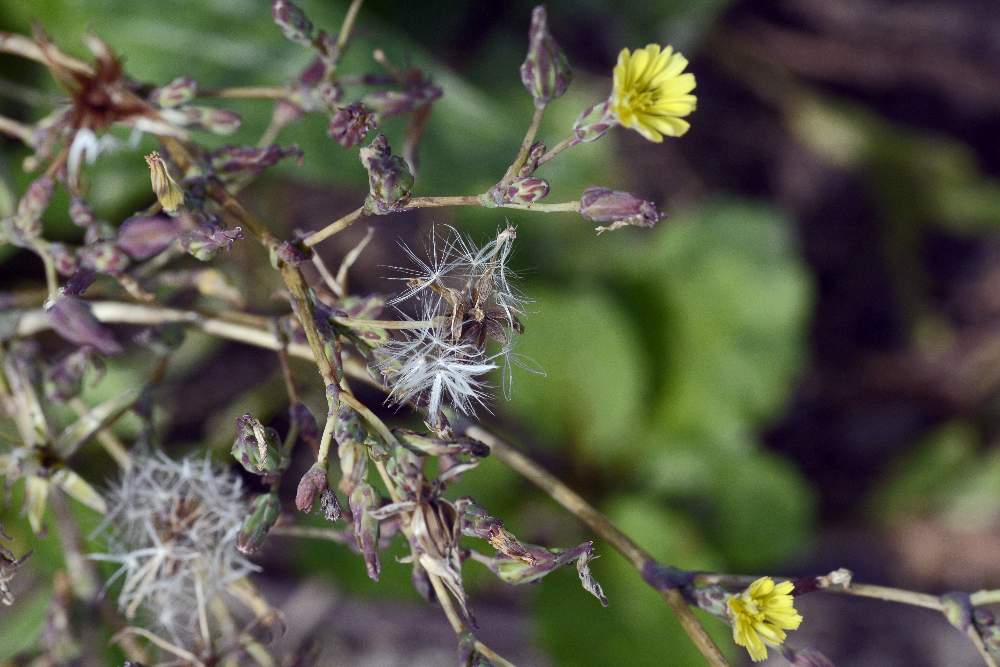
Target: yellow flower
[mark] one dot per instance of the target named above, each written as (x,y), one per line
(651,95)
(761,614)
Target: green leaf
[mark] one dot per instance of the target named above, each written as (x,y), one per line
(590,392)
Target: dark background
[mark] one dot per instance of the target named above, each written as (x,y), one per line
(796,371)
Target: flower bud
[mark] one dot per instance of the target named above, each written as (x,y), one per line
(256,447)
(250,159)
(206,242)
(142,237)
(366,528)
(620,208)
(429,446)
(349,125)
(219,121)
(167,192)
(311,486)
(531,162)
(72,319)
(293,22)
(396,102)
(474,521)
(64,258)
(174,94)
(103,257)
(545,71)
(389,179)
(80,212)
(526,189)
(28,219)
(263,515)
(594,123)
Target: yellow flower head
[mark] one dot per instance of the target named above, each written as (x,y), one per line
(651,95)
(761,614)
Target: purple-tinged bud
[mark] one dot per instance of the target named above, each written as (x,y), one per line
(348,426)
(294,23)
(98,231)
(329,94)
(311,486)
(80,212)
(805,657)
(79,282)
(219,121)
(545,71)
(103,257)
(329,505)
(64,379)
(72,319)
(349,125)
(526,189)
(389,179)
(594,123)
(362,501)
(145,236)
(396,102)
(250,159)
(64,258)
(474,521)
(174,94)
(257,448)
(263,515)
(531,162)
(619,208)
(430,446)
(206,242)
(28,219)
(289,253)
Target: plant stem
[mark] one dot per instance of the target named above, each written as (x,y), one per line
(248,92)
(522,153)
(603,526)
(556,150)
(334,227)
(17,130)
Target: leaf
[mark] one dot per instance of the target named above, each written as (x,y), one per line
(80,489)
(592,387)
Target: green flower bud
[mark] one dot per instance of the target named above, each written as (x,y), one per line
(366,528)
(264,514)
(258,449)
(174,94)
(293,22)
(389,179)
(28,219)
(594,123)
(545,71)
(526,189)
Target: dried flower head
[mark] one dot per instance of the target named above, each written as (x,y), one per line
(172,528)
(651,94)
(466,299)
(761,614)
(165,187)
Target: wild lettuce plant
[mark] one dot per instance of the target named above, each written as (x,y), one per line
(181,532)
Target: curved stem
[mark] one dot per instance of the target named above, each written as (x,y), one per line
(522,153)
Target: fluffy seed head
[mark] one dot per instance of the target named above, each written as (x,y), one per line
(172,529)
